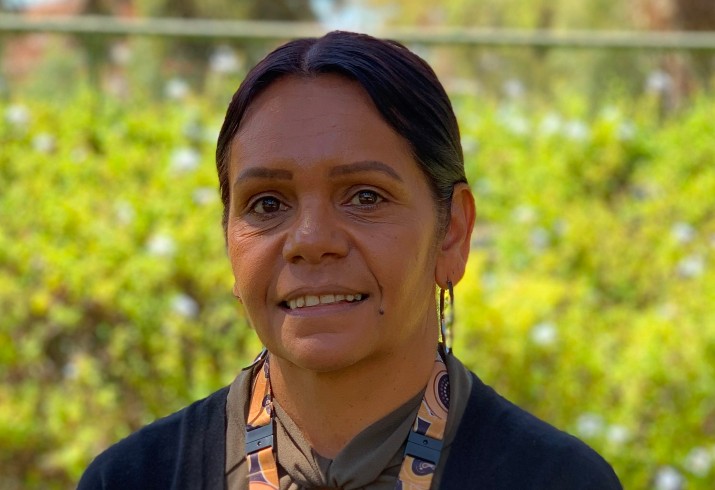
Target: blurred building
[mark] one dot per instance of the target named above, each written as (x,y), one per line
(23,53)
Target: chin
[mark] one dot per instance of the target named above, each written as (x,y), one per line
(323,354)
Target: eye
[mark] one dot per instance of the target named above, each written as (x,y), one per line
(267,205)
(366,197)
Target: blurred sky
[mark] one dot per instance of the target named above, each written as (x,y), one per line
(20,4)
(349,14)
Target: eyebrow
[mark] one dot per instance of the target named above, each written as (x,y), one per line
(365,166)
(263,173)
(346,169)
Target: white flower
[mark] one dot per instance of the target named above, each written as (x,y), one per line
(611,113)
(161,245)
(544,334)
(79,155)
(589,425)
(691,266)
(483,186)
(576,130)
(224,60)
(185,159)
(124,212)
(699,461)
(551,124)
(176,89)
(667,311)
(489,281)
(626,131)
(193,130)
(618,434)
(668,478)
(524,214)
(70,371)
(184,305)
(682,232)
(211,133)
(659,82)
(513,88)
(561,227)
(43,143)
(17,115)
(120,53)
(204,195)
(539,238)
(469,144)
(482,239)
(463,86)
(513,121)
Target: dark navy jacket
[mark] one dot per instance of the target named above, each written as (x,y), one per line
(498,446)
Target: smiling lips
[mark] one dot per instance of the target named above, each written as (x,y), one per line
(324,299)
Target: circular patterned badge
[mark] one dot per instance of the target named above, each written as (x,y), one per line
(443,389)
(421,468)
(437,395)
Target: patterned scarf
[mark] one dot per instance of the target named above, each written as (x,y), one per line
(422,451)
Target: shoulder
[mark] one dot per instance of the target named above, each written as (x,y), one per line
(156,456)
(504,446)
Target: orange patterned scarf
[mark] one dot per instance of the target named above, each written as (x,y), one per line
(424,443)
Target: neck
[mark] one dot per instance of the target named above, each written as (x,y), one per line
(332,408)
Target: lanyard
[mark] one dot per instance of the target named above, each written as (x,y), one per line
(424,443)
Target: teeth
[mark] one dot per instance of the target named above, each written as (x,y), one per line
(327,298)
(323,299)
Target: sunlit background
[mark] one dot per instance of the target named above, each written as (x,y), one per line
(589,135)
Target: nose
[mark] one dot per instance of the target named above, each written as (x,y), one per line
(315,235)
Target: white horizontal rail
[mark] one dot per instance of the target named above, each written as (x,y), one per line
(269,31)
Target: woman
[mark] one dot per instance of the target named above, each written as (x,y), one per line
(345,207)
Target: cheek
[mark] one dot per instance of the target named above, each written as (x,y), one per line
(246,265)
(251,283)
(408,274)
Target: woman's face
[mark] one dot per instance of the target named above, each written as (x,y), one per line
(331,230)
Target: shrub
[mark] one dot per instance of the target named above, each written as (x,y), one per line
(588,298)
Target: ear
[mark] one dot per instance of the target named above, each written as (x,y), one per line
(454,248)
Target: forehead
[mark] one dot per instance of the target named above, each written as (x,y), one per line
(324,117)
(292,92)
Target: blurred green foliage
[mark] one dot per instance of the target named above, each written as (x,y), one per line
(588,298)
(590,14)
(590,295)
(114,288)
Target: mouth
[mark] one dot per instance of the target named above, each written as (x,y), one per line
(310,300)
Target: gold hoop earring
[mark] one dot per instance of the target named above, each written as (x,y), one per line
(446,320)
